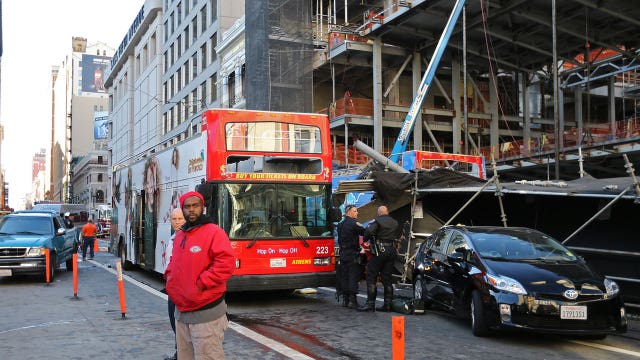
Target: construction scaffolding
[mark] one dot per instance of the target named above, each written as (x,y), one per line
(279,55)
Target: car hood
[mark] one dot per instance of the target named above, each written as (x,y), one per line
(550,277)
(23,240)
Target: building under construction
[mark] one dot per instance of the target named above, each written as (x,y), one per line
(532,85)
(361,62)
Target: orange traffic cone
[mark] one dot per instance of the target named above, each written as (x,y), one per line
(96,245)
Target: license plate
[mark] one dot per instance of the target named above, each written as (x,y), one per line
(5,272)
(573,312)
(278,263)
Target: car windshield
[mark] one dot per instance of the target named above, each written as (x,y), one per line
(26,225)
(519,244)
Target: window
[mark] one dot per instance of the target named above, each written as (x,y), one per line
(272,136)
(231,88)
(439,241)
(213,86)
(165,125)
(100,178)
(457,241)
(194,28)
(179,14)
(100,159)
(166,30)
(166,61)
(255,210)
(203,18)
(99,196)
(194,101)
(214,43)
(194,65)
(243,81)
(203,94)
(203,55)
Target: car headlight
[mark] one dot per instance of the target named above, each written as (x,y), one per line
(611,287)
(36,251)
(506,284)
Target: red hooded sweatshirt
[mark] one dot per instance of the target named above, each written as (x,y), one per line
(201,263)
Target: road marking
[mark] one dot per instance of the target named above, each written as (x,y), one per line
(59,322)
(607,347)
(270,343)
(246,332)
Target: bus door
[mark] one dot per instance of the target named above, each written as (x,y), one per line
(146,225)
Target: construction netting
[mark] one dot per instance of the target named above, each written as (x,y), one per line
(279,55)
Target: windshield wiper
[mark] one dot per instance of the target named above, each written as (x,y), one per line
(296,232)
(28,232)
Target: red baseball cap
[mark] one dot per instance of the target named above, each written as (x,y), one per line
(190,194)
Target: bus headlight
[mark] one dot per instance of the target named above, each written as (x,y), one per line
(36,251)
(323,261)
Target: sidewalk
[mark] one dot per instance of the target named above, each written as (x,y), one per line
(42,321)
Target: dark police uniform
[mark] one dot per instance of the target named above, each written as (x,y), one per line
(349,231)
(383,232)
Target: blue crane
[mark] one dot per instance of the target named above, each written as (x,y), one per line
(416,106)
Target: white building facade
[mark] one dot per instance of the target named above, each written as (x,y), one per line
(165,74)
(192,31)
(134,87)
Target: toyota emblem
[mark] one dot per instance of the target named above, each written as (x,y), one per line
(571,294)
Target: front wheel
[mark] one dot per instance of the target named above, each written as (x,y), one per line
(69,264)
(421,302)
(478,321)
(126,265)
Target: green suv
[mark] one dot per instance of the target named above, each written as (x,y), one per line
(24,236)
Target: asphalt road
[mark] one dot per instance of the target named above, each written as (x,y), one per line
(41,321)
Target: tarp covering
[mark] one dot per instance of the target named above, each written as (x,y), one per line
(390,185)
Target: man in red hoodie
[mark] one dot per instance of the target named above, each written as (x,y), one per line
(201,263)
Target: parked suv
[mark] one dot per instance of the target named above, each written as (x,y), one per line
(24,236)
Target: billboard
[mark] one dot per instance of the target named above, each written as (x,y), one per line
(93,72)
(100,125)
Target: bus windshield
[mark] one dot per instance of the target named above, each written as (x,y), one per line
(275,210)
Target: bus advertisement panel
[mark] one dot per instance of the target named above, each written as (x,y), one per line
(266,180)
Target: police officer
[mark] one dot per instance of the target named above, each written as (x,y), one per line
(349,231)
(382,234)
(68,223)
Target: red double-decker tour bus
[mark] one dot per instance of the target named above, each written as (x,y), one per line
(266,179)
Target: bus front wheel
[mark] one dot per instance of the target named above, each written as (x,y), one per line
(126,265)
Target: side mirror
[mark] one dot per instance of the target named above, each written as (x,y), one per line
(61,231)
(456,257)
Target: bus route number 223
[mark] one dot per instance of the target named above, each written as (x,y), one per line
(322,250)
